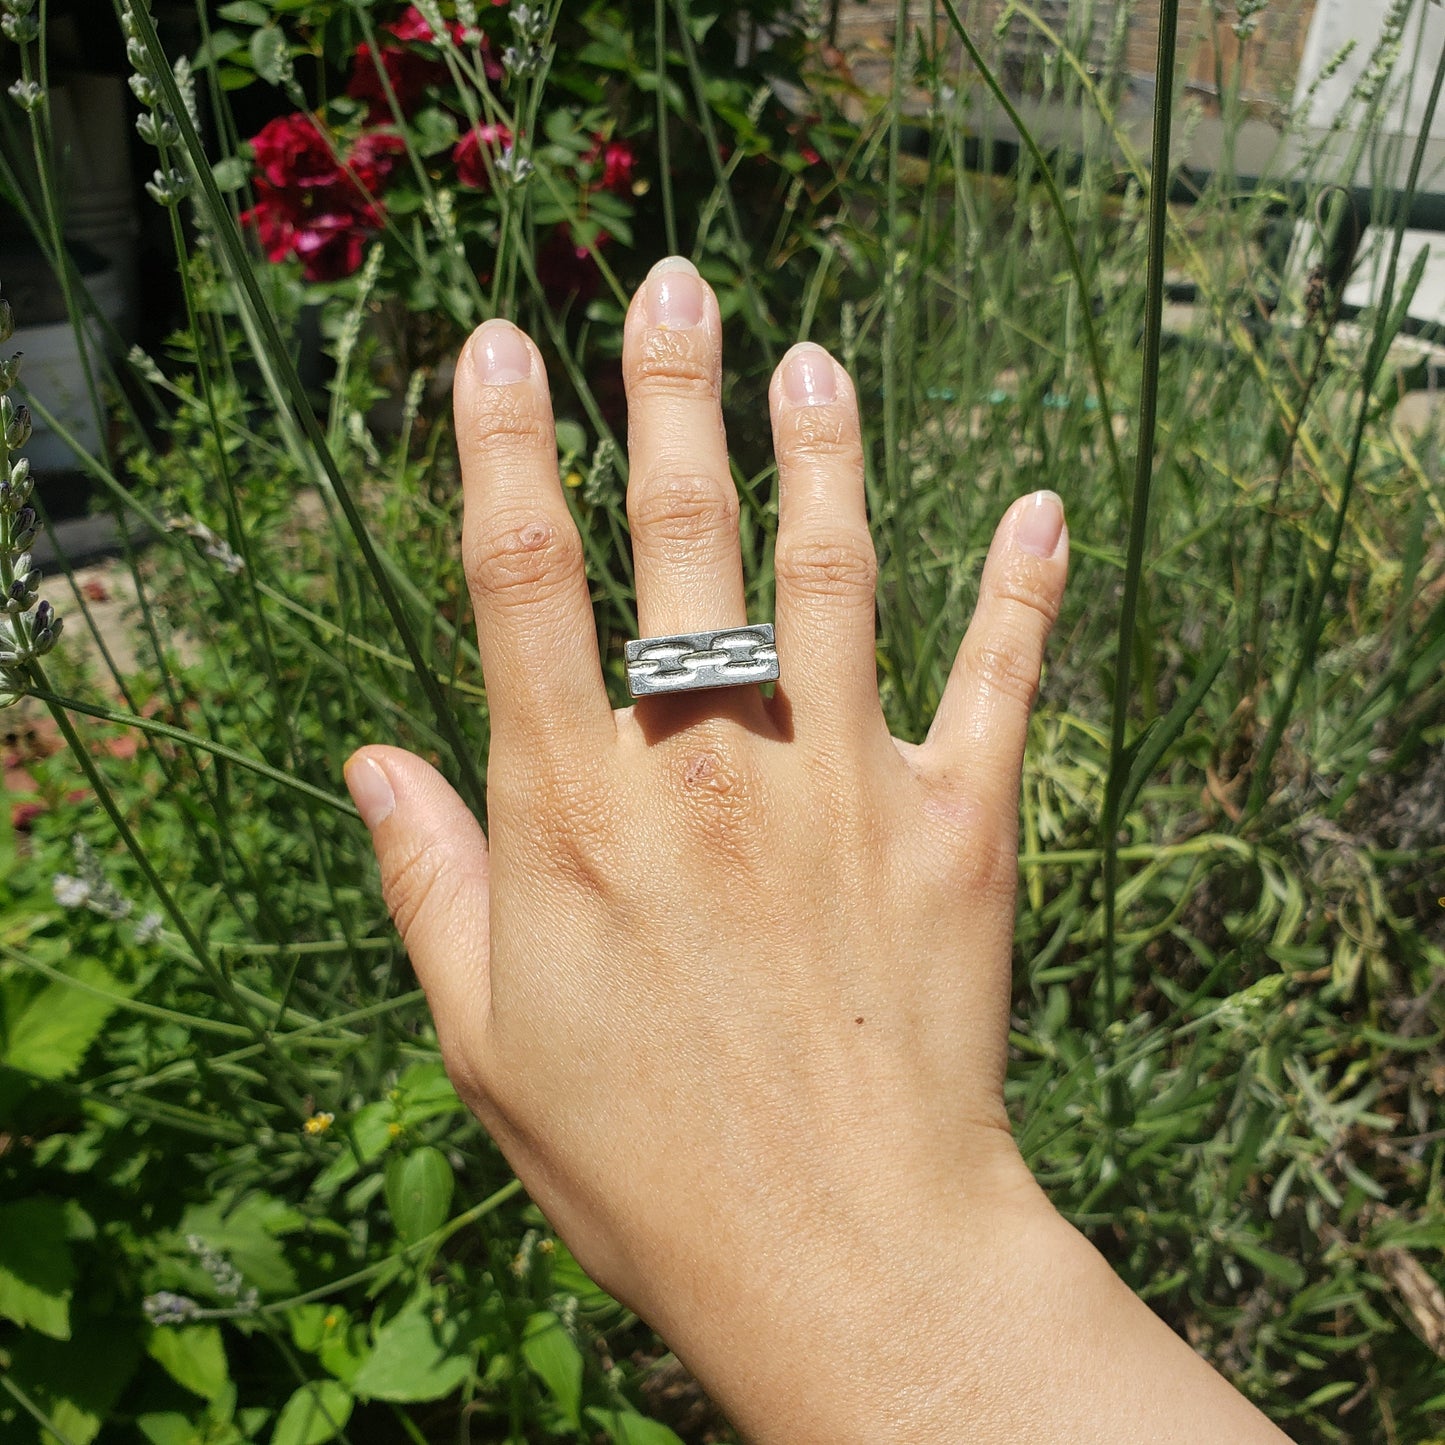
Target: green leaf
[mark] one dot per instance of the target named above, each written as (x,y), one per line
(270,54)
(49,1036)
(1287,1271)
(193,1356)
(36,1269)
(167,1427)
(433,130)
(315,1413)
(1143,755)
(571,439)
(419,1189)
(245,12)
(626,1427)
(245,1233)
(366,1134)
(76,1382)
(552,1355)
(230,174)
(424,1085)
(417,1356)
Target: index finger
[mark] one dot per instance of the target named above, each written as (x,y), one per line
(521,553)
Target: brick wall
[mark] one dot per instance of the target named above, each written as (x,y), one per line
(1269,58)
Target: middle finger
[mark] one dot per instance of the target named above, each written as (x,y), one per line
(682,506)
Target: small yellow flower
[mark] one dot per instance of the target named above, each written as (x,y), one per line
(319,1123)
(331,1321)
(573,479)
(393,1131)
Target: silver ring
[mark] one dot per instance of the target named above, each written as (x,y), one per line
(694,660)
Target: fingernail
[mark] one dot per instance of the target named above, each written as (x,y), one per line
(503,354)
(1040,524)
(808,377)
(674,294)
(370,790)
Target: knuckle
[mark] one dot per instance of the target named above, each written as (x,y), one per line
(519,558)
(415,884)
(969,851)
(720,793)
(683,507)
(512,422)
(835,564)
(1005,665)
(567,813)
(675,363)
(820,433)
(1029,604)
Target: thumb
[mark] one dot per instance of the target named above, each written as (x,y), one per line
(434,873)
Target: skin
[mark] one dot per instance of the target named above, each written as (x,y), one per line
(729,981)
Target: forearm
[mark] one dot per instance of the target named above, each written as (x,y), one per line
(1008,1327)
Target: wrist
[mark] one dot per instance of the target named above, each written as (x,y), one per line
(990,1320)
(869,1318)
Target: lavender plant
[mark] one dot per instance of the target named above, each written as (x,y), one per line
(28,627)
(232,1149)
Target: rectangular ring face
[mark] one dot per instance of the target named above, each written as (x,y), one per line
(696,660)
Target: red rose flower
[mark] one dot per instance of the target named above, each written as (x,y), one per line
(308,205)
(408,71)
(374,157)
(473,168)
(413,26)
(331,246)
(618,159)
(292,151)
(271,220)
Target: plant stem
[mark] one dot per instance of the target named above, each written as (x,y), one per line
(1143,476)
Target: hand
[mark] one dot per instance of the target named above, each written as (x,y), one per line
(730,985)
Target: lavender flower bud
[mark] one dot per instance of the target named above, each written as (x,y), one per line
(143,88)
(7,321)
(27,94)
(167,1308)
(22,29)
(15,423)
(9,372)
(168,187)
(23,529)
(158,128)
(70,891)
(47,636)
(21,482)
(21,592)
(20,7)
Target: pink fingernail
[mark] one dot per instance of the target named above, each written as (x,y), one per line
(503,354)
(674,295)
(808,376)
(1040,524)
(370,790)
